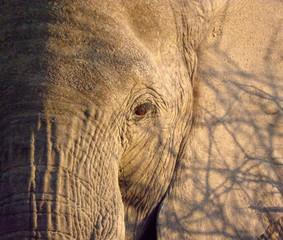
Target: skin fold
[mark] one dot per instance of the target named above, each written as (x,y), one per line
(141,120)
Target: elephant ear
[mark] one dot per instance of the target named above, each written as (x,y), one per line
(228,180)
(274,231)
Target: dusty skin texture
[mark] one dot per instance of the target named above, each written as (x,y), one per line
(141,120)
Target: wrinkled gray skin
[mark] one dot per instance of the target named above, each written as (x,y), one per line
(140,119)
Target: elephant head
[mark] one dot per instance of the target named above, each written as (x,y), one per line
(139,120)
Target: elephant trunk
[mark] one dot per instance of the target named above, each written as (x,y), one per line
(55,183)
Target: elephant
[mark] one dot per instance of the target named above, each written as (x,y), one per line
(141,120)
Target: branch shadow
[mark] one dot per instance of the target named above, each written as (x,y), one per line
(234,170)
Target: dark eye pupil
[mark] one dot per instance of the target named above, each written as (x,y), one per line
(140,111)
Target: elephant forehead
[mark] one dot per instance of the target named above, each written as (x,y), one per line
(95,48)
(99,48)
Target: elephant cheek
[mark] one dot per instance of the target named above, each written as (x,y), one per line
(52,187)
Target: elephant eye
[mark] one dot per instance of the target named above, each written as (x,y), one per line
(143,110)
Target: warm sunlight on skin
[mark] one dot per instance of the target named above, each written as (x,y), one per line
(141,120)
